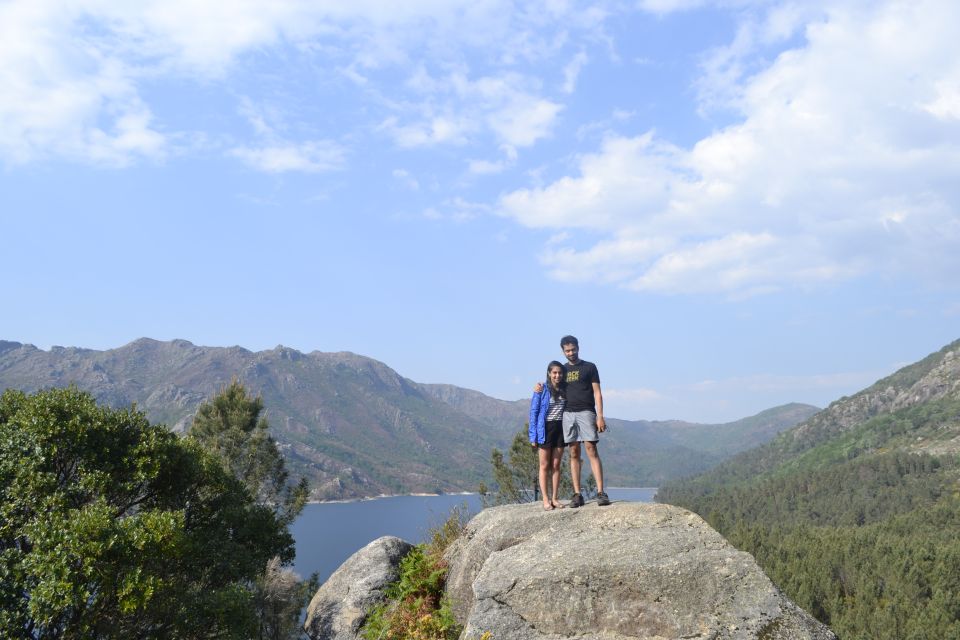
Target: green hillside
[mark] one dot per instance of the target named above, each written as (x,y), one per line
(855,513)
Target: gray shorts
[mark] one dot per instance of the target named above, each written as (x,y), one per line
(580,426)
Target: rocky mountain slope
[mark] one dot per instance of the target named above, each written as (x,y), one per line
(354,426)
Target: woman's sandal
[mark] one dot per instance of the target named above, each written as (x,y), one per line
(550,508)
(558,505)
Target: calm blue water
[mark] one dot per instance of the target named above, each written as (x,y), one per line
(329,533)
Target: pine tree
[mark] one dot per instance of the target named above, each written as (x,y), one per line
(231,426)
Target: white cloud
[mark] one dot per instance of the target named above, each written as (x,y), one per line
(844,163)
(486,167)
(633,403)
(710,400)
(669,6)
(946,102)
(407,179)
(433,131)
(630,178)
(457,210)
(74,73)
(524,120)
(762,383)
(62,98)
(455,109)
(308,157)
(572,71)
(952,310)
(632,395)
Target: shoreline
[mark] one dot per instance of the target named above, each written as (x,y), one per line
(393,495)
(425,495)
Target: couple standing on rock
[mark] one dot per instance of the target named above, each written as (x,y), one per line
(566,411)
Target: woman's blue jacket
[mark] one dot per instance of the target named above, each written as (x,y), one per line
(539,405)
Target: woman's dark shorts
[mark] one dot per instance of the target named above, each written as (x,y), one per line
(553,434)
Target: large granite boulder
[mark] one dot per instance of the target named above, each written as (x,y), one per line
(341,604)
(622,572)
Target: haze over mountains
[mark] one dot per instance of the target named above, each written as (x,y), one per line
(357,428)
(910,411)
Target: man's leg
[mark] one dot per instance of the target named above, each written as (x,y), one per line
(575,463)
(595,465)
(570,438)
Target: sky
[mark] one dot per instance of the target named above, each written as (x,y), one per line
(732,204)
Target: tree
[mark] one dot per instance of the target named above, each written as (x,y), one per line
(111,527)
(516,477)
(230,425)
(279,598)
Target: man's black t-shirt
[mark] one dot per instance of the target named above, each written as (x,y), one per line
(580,379)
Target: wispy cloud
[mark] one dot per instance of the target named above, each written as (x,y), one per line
(572,71)
(407,179)
(457,108)
(840,382)
(309,157)
(710,399)
(632,395)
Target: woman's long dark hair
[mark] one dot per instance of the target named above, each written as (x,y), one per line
(561,389)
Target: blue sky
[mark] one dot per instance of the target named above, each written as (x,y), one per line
(733,204)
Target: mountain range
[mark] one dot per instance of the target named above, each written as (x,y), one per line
(355,427)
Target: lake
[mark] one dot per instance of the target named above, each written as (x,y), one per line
(328,533)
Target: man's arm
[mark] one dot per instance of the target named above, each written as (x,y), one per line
(598,401)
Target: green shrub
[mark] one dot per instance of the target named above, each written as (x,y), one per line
(416,607)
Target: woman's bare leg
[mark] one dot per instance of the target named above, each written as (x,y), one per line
(544,455)
(556,457)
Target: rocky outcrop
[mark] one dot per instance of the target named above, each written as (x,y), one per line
(629,571)
(623,572)
(342,603)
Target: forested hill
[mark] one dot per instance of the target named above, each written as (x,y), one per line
(355,427)
(855,513)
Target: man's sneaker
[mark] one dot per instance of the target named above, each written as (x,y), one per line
(602,499)
(576,501)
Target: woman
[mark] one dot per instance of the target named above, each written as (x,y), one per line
(546,431)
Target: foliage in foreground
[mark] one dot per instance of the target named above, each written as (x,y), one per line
(231,427)
(111,527)
(279,596)
(870,545)
(416,607)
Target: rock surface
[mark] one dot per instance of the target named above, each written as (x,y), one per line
(622,572)
(342,603)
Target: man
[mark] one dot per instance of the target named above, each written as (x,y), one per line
(582,418)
